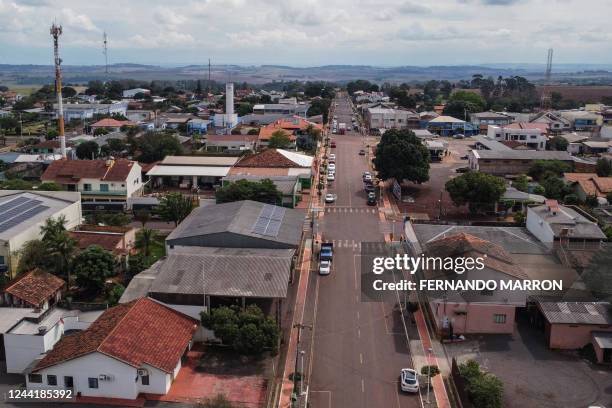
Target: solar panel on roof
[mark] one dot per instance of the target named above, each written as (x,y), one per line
(273,228)
(18,209)
(19,218)
(266,211)
(10,204)
(269,220)
(260,225)
(278,213)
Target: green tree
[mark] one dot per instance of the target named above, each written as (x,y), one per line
(557,143)
(88,150)
(115,294)
(175,207)
(402,156)
(320,107)
(519,217)
(59,245)
(116,146)
(33,254)
(571,199)
(144,239)
(101,131)
(155,146)
(248,331)
(68,92)
(143,216)
(15,184)
(598,275)
(521,183)
(479,190)
(540,168)
(49,186)
(279,140)
(264,191)
(603,167)
(92,267)
(484,389)
(554,187)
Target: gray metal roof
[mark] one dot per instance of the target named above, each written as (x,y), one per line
(577,312)
(603,339)
(285,184)
(238,217)
(567,217)
(225,272)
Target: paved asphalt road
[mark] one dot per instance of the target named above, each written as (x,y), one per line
(358,348)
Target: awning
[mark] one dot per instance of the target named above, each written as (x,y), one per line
(211,171)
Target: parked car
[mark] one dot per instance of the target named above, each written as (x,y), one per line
(330,198)
(362,152)
(459,136)
(369,188)
(333,143)
(327,251)
(331,166)
(332,158)
(366,173)
(462,170)
(367,177)
(325,268)
(330,177)
(371,198)
(409,380)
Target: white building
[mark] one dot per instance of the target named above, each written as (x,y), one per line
(552,222)
(97,180)
(130,93)
(132,348)
(386,118)
(229,119)
(22,213)
(530,134)
(82,111)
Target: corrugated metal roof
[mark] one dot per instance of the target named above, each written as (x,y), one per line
(225,272)
(199,161)
(211,171)
(576,312)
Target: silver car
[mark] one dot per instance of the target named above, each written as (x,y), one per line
(409,380)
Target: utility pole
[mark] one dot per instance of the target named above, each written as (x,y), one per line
(105,52)
(56,31)
(299,326)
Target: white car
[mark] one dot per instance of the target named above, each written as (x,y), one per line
(409,380)
(330,198)
(367,177)
(330,177)
(325,268)
(331,166)
(332,157)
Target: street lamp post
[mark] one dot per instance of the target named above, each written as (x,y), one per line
(429,351)
(302,353)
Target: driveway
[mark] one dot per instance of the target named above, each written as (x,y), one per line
(535,376)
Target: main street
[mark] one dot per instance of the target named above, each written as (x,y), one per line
(354,351)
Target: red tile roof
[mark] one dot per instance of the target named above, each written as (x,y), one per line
(591,183)
(139,332)
(110,122)
(35,287)
(528,125)
(266,132)
(295,123)
(266,158)
(71,171)
(463,245)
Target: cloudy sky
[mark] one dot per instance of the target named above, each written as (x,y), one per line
(309,32)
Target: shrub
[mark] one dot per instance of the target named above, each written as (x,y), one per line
(433,370)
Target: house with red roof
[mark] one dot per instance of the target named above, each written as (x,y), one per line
(36,289)
(112,125)
(133,348)
(97,180)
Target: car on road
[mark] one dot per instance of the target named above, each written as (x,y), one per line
(365,173)
(459,136)
(409,380)
(367,177)
(371,198)
(333,144)
(327,251)
(331,166)
(325,268)
(362,152)
(331,177)
(462,170)
(369,188)
(332,158)
(330,198)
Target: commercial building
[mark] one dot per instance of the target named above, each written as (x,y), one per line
(387,118)
(189,172)
(282,109)
(482,120)
(276,162)
(289,186)
(83,111)
(449,126)
(505,162)
(22,213)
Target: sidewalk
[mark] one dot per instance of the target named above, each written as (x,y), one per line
(419,347)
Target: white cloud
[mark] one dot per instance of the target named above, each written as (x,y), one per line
(72,20)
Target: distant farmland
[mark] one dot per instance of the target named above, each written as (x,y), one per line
(592,93)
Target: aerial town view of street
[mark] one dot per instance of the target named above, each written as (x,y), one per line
(306,203)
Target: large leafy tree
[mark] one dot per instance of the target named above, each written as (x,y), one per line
(402,156)
(557,143)
(479,190)
(175,207)
(263,191)
(541,169)
(88,150)
(92,267)
(279,140)
(155,146)
(248,331)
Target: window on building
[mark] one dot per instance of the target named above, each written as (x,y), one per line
(35,378)
(144,380)
(93,382)
(52,380)
(2,261)
(103,187)
(68,381)
(86,187)
(499,318)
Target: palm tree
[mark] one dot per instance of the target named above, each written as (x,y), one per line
(144,240)
(59,245)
